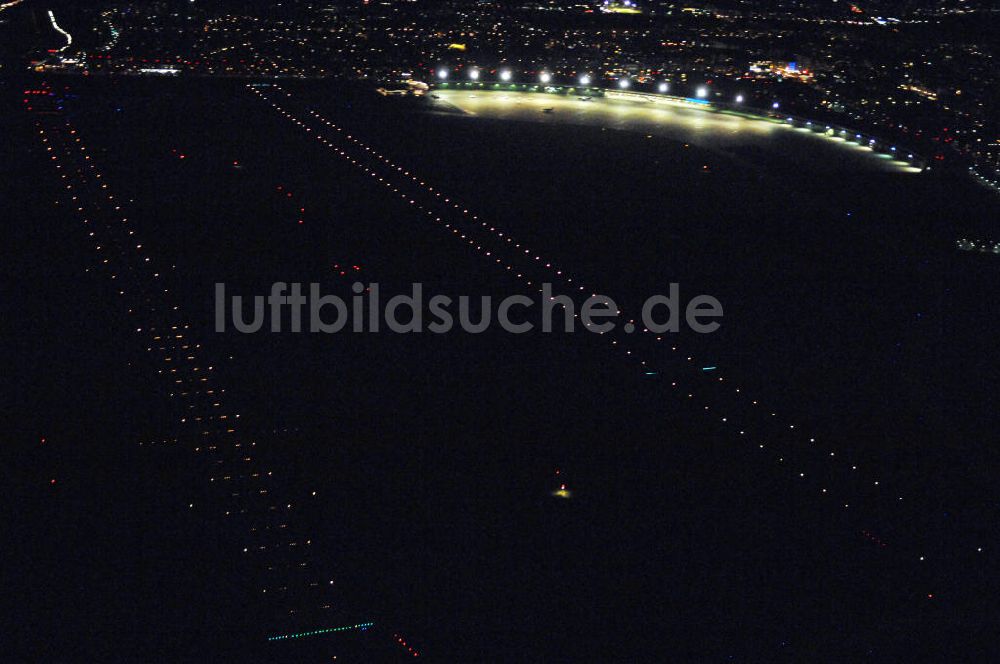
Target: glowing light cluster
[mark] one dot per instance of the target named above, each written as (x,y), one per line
(984,246)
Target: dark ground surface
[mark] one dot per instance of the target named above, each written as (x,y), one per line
(435,454)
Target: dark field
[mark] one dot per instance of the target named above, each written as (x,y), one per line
(847,311)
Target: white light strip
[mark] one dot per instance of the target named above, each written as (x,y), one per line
(55,26)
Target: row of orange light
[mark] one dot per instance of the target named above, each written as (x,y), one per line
(402,642)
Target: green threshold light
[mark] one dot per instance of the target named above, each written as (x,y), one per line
(316,632)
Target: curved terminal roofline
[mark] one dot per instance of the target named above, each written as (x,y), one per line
(846,134)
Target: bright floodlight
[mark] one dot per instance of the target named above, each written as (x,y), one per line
(739,99)
(442,73)
(584,80)
(474,74)
(505,75)
(701,92)
(623,83)
(545,77)
(663,87)
(775,105)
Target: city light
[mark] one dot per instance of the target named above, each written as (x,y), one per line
(474,74)
(505,75)
(545,77)
(701,92)
(584,80)
(663,87)
(775,105)
(442,73)
(623,83)
(739,99)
